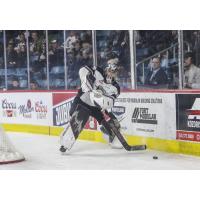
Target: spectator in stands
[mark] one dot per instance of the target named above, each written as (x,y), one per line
(85,58)
(70,41)
(156,75)
(21,43)
(34,85)
(37,48)
(20,48)
(15,84)
(56,54)
(86,46)
(86,36)
(11,55)
(191,72)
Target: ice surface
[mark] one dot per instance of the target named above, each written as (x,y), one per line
(41,153)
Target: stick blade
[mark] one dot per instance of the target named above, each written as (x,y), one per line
(138,147)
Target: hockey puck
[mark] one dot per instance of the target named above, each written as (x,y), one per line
(155,157)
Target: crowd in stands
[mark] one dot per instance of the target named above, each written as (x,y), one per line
(78,45)
(115,44)
(111,45)
(38,58)
(79,52)
(150,42)
(192,44)
(16,59)
(16,49)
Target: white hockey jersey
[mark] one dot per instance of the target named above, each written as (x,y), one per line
(95,89)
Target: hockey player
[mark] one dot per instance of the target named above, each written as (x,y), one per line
(95,98)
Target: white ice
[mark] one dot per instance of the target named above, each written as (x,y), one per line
(42,153)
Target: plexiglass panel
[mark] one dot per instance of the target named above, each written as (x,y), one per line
(113,46)
(157,59)
(16,53)
(78,46)
(191,79)
(56,60)
(38,60)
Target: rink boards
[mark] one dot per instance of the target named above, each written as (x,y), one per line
(164,120)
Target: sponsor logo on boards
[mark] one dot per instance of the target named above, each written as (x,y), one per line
(26,109)
(9,108)
(142,115)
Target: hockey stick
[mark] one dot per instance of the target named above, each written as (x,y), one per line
(111,127)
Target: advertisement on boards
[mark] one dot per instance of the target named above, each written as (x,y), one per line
(26,108)
(147,114)
(62,103)
(188,117)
